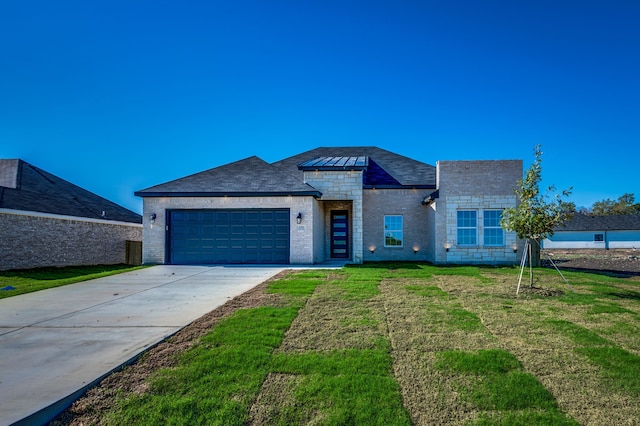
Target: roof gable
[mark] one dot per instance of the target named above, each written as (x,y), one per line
(251,176)
(26,187)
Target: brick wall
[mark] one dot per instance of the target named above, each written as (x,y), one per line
(31,240)
(474,185)
(407,203)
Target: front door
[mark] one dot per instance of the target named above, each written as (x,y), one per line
(339,234)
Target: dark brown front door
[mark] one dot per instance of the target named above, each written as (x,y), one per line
(340,234)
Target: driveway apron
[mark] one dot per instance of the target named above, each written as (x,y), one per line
(56,343)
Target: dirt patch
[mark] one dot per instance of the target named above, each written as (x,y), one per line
(616,262)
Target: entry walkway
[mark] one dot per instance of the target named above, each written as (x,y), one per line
(56,343)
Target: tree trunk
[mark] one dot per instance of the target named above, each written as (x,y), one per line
(535,253)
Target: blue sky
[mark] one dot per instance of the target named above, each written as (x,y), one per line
(117,96)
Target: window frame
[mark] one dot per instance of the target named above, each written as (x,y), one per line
(598,240)
(395,231)
(465,228)
(486,227)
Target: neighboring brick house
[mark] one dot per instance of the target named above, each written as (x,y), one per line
(47,221)
(596,232)
(351,203)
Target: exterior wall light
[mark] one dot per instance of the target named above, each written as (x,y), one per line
(416,249)
(447,247)
(515,249)
(372,249)
(299,218)
(152,218)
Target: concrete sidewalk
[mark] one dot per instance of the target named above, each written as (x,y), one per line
(55,343)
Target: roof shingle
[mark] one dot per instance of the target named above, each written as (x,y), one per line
(251,176)
(582,222)
(26,187)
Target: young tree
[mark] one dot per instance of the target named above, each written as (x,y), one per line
(534,218)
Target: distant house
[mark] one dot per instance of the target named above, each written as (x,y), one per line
(47,221)
(602,232)
(334,203)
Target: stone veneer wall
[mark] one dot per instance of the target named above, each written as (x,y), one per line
(474,185)
(342,186)
(301,236)
(33,240)
(406,203)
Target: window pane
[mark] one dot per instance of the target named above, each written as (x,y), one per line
(393,233)
(492,217)
(467,237)
(493,237)
(467,219)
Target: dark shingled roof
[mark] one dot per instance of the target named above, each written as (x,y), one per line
(582,222)
(249,177)
(253,176)
(26,187)
(385,169)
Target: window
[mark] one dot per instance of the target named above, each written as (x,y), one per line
(493,233)
(393,231)
(467,228)
(598,237)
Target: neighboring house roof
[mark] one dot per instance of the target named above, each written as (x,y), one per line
(582,222)
(385,168)
(248,177)
(26,187)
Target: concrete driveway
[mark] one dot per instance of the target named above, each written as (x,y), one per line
(56,343)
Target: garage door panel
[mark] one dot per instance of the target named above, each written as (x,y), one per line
(229,236)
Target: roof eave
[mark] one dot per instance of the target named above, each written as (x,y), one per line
(399,186)
(316,194)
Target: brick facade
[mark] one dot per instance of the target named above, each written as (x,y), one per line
(478,186)
(32,240)
(427,230)
(416,234)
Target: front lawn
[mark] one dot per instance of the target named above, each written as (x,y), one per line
(17,282)
(399,344)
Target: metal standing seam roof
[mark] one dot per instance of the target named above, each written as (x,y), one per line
(332,163)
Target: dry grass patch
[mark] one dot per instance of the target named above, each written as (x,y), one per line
(549,336)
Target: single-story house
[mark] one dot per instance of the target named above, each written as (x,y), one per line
(599,232)
(47,221)
(351,203)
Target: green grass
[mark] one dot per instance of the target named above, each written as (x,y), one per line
(619,368)
(498,382)
(215,382)
(27,281)
(342,387)
(425,327)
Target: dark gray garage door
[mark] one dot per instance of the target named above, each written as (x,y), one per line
(228,236)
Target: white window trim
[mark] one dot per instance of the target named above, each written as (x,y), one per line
(401,230)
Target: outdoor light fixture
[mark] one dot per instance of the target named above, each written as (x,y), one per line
(299,218)
(152,218)
(372,249)
(447,246)
(416,249)
(515,249)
